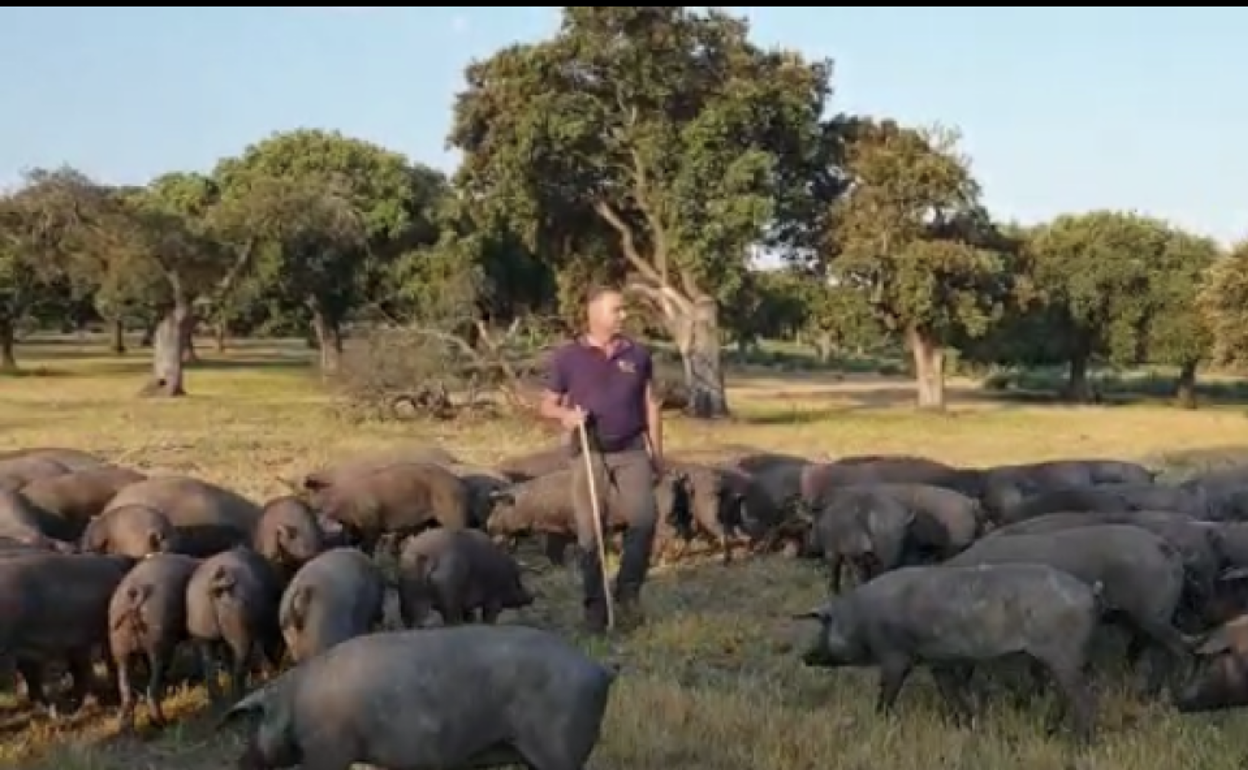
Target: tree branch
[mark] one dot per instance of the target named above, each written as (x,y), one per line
(628,243)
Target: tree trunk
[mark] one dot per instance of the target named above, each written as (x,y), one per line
(695,326)
(1078,388)
(189,354)
(824,347)
(8,337)
(328,339)
(118,344)
(220,335)
(1185,386)
(929,369)
(149,334)
(168,353)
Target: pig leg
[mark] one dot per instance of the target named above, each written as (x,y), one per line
(272,650)
(240,657)
(108,693)
(490,612)
(1076,699)
(453,612)
(1167,639)
(83,673)
(951,681)
(125,667)
(835,565)
(207,651)
(555,548)
(158,660)
(32,672)
(893,673)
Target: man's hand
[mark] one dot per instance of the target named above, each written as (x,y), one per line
(573,418)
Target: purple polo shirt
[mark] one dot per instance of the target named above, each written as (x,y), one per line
(610,386)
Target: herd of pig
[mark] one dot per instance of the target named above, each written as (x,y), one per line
(952,567)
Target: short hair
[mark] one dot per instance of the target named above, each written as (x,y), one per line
(599,289)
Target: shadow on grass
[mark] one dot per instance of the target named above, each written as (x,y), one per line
(38,372)
(89,366)
(1026,391)
(272,364)
(1193,461)
(792,416)
(1045,386)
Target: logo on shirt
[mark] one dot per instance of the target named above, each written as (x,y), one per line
(626,366)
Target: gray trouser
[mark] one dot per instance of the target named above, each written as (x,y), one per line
(624,482)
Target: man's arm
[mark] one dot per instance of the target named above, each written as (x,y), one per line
(554,403)
(654,415)
(654,424)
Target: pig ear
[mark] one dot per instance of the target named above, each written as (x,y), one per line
(255,702)
(1216,643)
(1234,573)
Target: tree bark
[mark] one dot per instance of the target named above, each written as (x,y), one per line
(220,335)
(929,369)
(118,330)
(824,347)
(168,353)
(8,344)
(1185,386)
(328,339)
(189,354)
(692,316)
(695,326)
(1078,388)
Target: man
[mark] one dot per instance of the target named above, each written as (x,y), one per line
(605,381)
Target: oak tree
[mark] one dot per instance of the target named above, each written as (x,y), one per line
(1094,275)
(329,213)
(911,236)
(665,128)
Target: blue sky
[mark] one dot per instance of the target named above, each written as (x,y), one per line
(1060,109)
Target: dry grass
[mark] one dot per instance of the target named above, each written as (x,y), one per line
(712,682)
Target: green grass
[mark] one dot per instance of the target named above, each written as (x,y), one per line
(713,681)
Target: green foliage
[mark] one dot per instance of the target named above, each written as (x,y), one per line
(1177,332)
(327,213)
(660,131)
(911,238)
(648,147)
(1093,270)
(1223,304)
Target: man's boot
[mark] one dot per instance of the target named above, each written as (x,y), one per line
(595,618)
(628,612)
(593,591)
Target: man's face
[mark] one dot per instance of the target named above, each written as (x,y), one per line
(606,313)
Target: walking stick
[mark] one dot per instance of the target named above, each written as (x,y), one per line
(598,528)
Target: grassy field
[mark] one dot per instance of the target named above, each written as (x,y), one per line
(713,681)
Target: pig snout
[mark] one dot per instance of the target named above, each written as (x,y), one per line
(1218,683)
(817,655)
(61,546)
